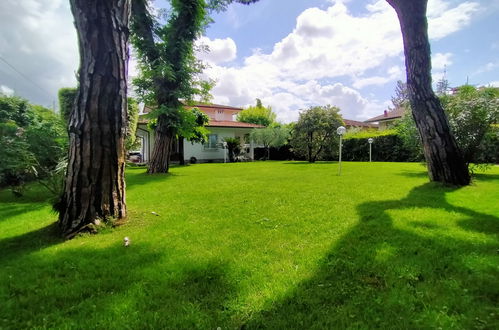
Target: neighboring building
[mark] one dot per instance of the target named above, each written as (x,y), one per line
(222,124)
(349,124)
(387,119)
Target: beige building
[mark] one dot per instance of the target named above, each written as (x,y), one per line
(387,119)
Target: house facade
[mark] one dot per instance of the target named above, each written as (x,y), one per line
(222,124)
(388,118)
(359,125)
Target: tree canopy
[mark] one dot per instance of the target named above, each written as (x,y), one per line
(472,112)
(315,131)
(257,114)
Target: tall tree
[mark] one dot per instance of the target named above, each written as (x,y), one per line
(95,184)
(444,160)
(168,67)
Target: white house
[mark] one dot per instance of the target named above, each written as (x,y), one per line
(222,124)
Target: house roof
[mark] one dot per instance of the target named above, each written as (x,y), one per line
(226,123)
(388,115)
(215,106)
(355,123)
(148,109)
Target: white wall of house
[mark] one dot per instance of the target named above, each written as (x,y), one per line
(215,152)
(208,152)
(202,152)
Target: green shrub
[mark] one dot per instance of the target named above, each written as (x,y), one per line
(33,141)
(66,100)
(388,146)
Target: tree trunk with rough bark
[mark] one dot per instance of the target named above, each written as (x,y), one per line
(95,184)
(160,156)
(444,160)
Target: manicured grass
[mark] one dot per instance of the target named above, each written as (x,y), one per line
(275,245)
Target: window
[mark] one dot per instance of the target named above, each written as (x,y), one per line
(212,141)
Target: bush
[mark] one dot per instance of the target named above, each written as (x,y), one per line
(387,147)
(33,143)
(66,101)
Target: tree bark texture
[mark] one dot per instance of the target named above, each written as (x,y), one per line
(444,160)
(160,157)
(95,184)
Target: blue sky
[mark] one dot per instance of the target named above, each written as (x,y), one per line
(292,54)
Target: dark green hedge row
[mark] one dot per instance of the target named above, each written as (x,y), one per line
(387,148)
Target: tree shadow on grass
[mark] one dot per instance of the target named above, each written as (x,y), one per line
(14,247)
(113,287)
(138,177)
(10,210)
(398,268)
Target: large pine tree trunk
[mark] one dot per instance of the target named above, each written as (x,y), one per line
(95,185)
(160,157)
(444,159)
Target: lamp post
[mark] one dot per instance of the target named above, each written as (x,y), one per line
(370,140)
(225,151)
(340,131)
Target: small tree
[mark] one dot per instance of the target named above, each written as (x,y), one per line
(401,97)
(315,131)
(258,114)
(274,136)
(234,147)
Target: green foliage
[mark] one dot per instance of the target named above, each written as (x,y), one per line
(262,245)
(192,125)
(169,69)
(67,98)
(315,132)
(258,114)
(33,142)
(401,98)
(406,129)
(234,147)
(471,113)
(488,150)
(16,110)
(368,133)
(221,5)
(131,142)
(273,136)
(167,64)
(385,148)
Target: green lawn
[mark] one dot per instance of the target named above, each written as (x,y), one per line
(273,245)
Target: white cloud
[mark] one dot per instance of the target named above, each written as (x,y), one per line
(440,61)
(443,20)
(488,67)
(493,83)
(39,40)
(5,90)
(393,73)
(216,50)
(332,44)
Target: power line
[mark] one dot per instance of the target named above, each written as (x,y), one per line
(25,77)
